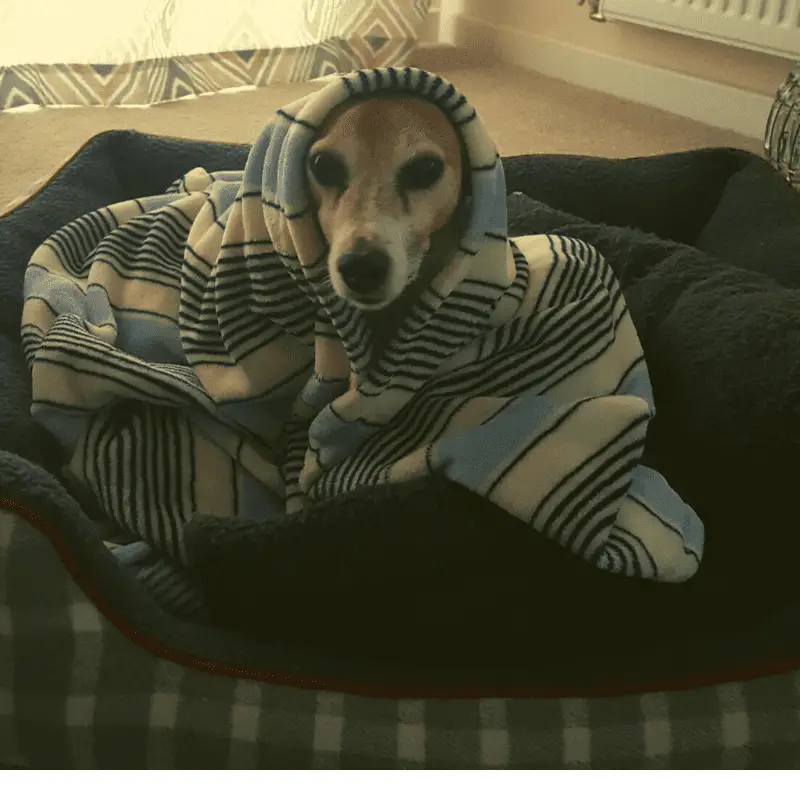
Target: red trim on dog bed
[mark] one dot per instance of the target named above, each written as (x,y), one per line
(161,650)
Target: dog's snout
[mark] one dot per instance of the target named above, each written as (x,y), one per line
(365,268)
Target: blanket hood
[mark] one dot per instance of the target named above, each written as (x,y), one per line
(275,203)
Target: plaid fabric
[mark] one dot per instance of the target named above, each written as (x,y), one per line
(76,693)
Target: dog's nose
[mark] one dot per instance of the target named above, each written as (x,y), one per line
(364,269)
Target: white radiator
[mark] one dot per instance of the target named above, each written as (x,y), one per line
(769,26)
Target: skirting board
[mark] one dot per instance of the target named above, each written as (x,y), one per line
(703,101)
(430,28)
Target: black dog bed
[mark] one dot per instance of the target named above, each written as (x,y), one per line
(400,591)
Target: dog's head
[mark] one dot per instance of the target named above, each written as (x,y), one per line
(386,174)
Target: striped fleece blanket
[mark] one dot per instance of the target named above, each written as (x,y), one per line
(189,354)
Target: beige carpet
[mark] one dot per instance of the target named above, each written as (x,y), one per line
(525,112)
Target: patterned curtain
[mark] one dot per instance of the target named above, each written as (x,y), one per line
(113,53)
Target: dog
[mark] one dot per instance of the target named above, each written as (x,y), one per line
(388,178)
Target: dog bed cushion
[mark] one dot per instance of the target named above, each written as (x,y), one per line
(719,328)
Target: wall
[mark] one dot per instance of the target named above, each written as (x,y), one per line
(565,22)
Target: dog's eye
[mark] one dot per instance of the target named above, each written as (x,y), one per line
(420,173)
(328,170)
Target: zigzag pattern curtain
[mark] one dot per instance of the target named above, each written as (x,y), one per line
(141,52)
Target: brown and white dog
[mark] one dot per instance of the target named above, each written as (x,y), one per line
(387,174)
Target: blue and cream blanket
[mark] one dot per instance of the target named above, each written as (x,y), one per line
(190,356)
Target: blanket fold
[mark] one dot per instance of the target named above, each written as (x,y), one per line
(191,358)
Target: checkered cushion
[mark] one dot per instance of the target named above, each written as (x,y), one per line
(77,693)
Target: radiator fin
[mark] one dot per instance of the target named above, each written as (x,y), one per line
(768,26)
